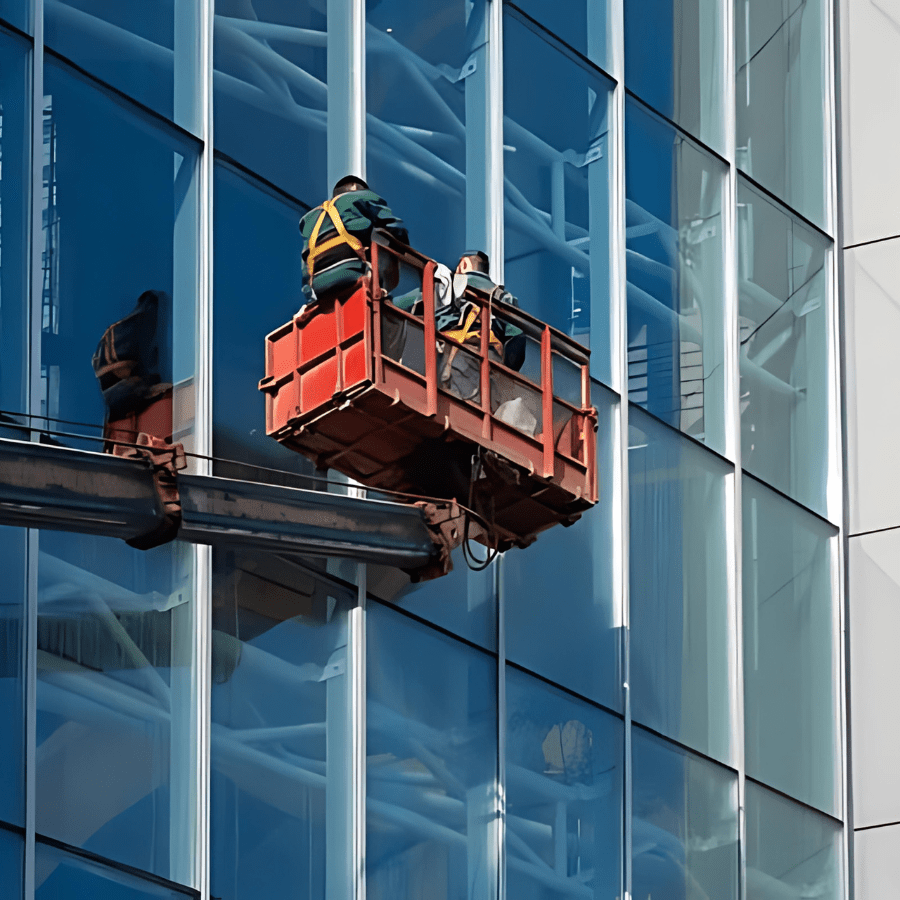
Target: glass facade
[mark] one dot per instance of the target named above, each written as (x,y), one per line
(645,704)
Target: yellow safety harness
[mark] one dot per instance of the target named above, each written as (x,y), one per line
(463,334)
(342,237)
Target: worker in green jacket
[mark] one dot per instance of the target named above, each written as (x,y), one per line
(337,234)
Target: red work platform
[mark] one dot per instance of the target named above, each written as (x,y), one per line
(361,386)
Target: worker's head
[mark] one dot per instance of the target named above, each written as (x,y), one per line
(473,261)
(348,184)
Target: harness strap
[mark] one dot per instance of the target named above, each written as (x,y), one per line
(342,237)
(467,331)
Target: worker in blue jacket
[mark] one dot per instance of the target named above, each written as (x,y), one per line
(337,234)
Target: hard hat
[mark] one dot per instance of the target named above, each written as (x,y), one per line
(349,179)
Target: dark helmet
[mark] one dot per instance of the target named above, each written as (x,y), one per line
(344,185)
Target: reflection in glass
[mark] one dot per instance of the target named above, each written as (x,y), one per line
(582,24)
(256,287)
(676,283)
(789,662)
(780,52)
(562,619)
(557,206)
(270,98)
(281,749)
(426,75)
(115,701)
(60,875)
(14,244)
(12,848)
(432,759)
(149,53)
(13,562)
(564,794)
(791,851)
(674,60)
(783,307)
(681,639)
(685,824)
(17,12)
(119,219)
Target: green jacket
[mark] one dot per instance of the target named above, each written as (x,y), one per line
(341,267)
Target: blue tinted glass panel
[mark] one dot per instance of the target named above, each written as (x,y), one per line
(674,60)
(582,24)
(422,157)
(564,762)
(13,564)
(119,219)
(256,288)
(464,602)
(281,746)
(791,850)
(676,281)
(115,701)
(432,764)
(785,349)
(557,206)
(780,93)
(12,848)
(64,876)
(681,633)
(685,824)
(790,667)
(14,244)
(270,99)
(150,51)
(17,12)
(562,618)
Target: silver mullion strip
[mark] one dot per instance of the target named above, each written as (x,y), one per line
(494,170)
(33,404)
(733,435)
(202,436)
(619,357)
(500,845)
(346,78)
(356,651)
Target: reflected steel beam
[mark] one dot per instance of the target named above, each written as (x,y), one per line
(46,486)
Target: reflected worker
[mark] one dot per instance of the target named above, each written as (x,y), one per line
(337,235)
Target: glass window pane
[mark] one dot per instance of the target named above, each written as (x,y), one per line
(674,60)
(17,12)
(784,310)
(281,751)
(12,848)
(64,876)
(270,99)
(685,824)
(676,283)
(791,851)
(423,156)
(256,288)
(15,179)
(13,564)
(115,701)
(681,631)
(150,51)
(789,648)
(564,761)
(582,24)
(119,200)
(432,764)
(780,58)
(557,201)
(577,646)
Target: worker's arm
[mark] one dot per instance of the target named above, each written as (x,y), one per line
(380,215)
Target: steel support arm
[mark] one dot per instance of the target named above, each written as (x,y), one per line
(44,486)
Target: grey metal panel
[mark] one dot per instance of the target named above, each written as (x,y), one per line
(875,673)
(877,862)
(872,333)
(870,67)
(52,487)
